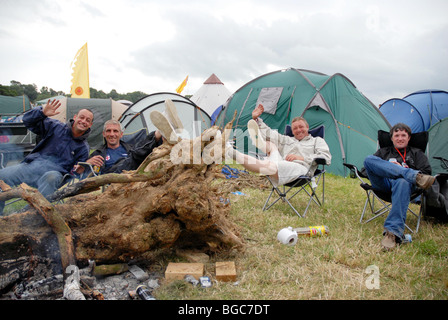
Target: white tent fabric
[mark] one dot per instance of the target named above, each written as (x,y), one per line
(211,95)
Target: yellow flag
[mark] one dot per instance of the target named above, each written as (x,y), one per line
(80,76)
(182,85)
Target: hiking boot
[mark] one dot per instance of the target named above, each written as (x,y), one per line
(254,132)
(172,116)
(424,181)
(164,126)
(388,241)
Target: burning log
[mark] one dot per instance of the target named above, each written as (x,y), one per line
(51,216)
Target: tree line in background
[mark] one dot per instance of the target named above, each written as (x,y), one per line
(18,89)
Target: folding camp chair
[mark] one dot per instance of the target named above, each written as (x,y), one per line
(308,183)
(437,196)
(379,202)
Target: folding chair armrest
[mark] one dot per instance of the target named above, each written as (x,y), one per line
(66,178)
(355,172)
(350,166)
(320,161)
(88,166)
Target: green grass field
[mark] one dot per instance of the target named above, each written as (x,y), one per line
(347,264)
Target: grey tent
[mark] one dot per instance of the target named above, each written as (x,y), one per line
(136,117)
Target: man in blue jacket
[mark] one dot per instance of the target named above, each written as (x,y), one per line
(61,147)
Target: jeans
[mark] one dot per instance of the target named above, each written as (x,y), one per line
(390,177)
(41,174)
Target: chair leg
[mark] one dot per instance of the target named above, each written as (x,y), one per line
(370,202)
(267,200)
(281,196)
(418,216)
(421,212)
(323,187)
(313,196)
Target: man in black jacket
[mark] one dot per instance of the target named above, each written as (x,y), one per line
(116,155)
(398,169)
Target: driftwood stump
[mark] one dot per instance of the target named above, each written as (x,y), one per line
(160,205)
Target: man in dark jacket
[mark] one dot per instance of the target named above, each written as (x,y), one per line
(398,169)
(61,147)
(116,155)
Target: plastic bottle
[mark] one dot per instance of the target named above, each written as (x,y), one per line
(191,279)
(407,238)
(313,231)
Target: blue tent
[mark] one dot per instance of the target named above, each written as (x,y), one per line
(215,114)
(419,110)
(432,104)
(399,110)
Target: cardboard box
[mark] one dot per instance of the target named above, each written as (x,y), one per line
(177,271)
(225,271)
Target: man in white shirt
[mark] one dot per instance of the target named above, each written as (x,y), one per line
(288,157)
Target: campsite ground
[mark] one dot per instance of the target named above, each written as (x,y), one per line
(347,264)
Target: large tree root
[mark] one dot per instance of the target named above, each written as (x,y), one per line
(160,205)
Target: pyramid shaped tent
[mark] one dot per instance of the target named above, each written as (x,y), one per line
(211,95)
(351,121)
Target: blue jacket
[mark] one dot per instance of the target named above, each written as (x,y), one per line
(57,143)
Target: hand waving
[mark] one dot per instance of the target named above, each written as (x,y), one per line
(50,109)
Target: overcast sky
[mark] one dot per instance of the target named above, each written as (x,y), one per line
(388,49)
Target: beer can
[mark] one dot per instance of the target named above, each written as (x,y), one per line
(144,293)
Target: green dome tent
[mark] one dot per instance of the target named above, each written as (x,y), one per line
(437,146)
(351,120)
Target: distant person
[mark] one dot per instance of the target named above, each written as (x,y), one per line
(116,155)
(398,169)
(62,145)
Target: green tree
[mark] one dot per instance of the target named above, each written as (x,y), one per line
(17,89)
(30,90)
(7,91)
